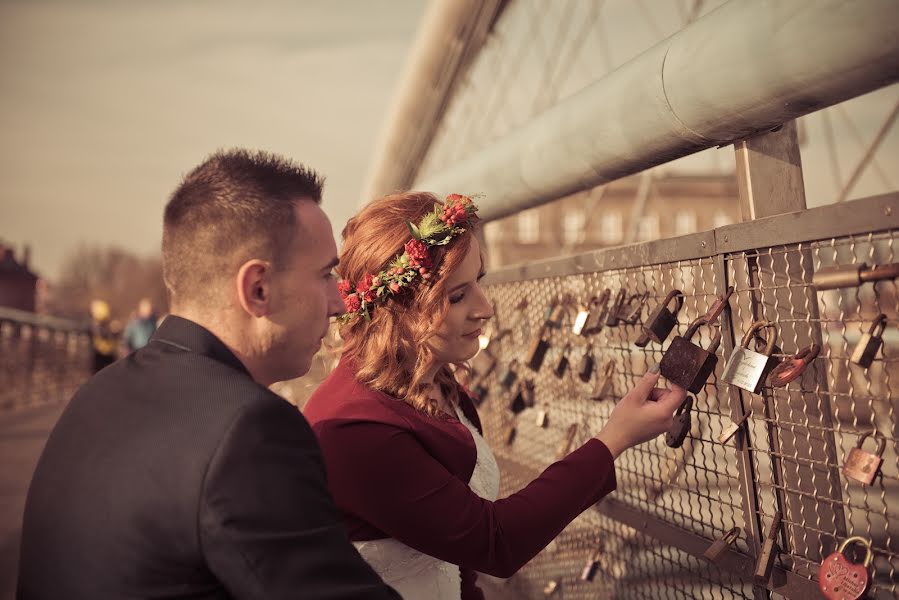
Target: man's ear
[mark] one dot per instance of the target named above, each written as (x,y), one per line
(254,287)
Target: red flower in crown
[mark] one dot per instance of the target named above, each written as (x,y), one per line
(352,303)
(365,285)
(344,287)
(454,210)
(418,254)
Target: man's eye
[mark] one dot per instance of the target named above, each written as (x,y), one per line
(456,299)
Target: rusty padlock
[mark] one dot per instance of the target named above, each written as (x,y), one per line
(765,562)
(839,579)
(675,436)
(509,376)
(746,368)
(537,351)
(793,367)
(662,320)
(862,465)
(870,343)
(632,309)
(589,320)
(585,369)
(562,366)
(613,316)
(714,552)
(483,363)
(604,383)
(685,363)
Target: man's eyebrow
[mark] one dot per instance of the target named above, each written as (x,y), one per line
(334,262)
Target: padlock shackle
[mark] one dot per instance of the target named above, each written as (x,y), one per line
(679,295)
(793,367)
(691,330)
(880,322)
(757,327)
(857,539)
(731,536)
(881,442)
(685,407)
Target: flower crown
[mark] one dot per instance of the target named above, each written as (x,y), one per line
(436,228)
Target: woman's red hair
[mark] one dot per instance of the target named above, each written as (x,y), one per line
(390,351)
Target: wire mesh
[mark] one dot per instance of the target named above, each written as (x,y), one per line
(796,438)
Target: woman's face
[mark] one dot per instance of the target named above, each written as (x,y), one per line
(457,337)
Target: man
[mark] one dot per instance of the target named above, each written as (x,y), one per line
(176,473)
(140,329)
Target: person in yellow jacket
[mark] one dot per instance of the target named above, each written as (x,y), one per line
(103,337)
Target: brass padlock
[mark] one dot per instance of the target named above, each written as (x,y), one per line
(688,365)
(562,366)
(483,364)
(632,309)
(589,320)
(567,442)
(585,370)
(862,465)
(843,276)
(840,579)
(730,430)
(765,562)
(661,322)
(537,351)
(793,367)
(509,376)
(676,435)
(613,316)
(870,343)
(714,552)
(748,369)
(604,383)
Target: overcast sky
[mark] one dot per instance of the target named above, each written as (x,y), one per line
(104,105)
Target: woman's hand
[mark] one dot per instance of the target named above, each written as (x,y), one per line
(645,412)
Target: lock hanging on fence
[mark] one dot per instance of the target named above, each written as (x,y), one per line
(793,367)
(562,365)
(585,369)
(675,436)
(604,383)
(590,320)
(714,552)
(542,418)
(613,316)
(748,369)
(688,365)
(730,430)
(870,343)
(862,465)
(632,309)
(550,588)
(509,376)
(588,573)
(662,320)
(479,394)
(554,314)
(843,276)
(537,351)
(765,562)
(839,579)
(483,364)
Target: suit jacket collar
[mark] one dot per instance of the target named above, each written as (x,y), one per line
(192,337)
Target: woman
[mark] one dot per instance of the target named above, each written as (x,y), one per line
(406,461)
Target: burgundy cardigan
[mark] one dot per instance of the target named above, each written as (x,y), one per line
(395,472)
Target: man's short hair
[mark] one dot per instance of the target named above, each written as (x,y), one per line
(236,206)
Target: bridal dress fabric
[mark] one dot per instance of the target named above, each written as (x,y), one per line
(417,576)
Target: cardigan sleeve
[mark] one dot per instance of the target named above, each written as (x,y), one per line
(381,474)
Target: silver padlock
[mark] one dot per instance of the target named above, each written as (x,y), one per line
(746,368)
(870,343)
(589,320)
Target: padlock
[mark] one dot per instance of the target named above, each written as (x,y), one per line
(518,403)
(550,588)
(604,383)
(676,435)
(542,418)
(585,369)
(590,319)
(722,302)
(765,562)
(509,434)
(661,322)
(793,367)
(537,351)
(642,340)
(479,394)
(590,567)
(562,366)
(613,316)
(714,552)
(632,309)
(483,364)
(862,465)
(746,368)
(839,579)
(509,376)
(567,442)
(730,430)
(554,314)
(529,392)
(685,363)
(870,343)
(843,276)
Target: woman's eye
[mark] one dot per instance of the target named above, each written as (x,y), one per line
(456,299)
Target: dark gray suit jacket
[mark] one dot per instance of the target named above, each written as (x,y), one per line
(172,474)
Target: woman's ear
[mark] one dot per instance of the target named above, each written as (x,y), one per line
(254,287)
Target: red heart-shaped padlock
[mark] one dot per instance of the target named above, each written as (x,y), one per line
(840,579)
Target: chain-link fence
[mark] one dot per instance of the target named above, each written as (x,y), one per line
(648,538)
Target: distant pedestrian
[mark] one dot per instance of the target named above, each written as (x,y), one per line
(103,336)
(140,328)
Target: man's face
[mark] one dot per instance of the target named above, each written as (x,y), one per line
(304,295)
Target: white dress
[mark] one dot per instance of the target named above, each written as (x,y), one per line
(417,576)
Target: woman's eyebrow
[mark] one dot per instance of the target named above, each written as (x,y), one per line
(458,287)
